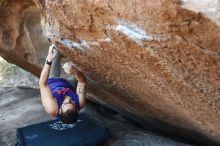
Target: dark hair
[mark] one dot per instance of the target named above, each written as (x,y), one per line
(69,117)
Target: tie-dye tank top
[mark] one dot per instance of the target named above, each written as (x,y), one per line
(61,88)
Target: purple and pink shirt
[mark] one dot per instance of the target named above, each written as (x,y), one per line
(61,88)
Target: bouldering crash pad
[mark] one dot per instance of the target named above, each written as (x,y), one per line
(86,132)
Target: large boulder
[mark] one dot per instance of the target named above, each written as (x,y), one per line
(158,60)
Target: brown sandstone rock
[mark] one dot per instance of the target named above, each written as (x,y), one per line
(153,58)
(21,34)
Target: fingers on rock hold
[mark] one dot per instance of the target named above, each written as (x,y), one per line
(67,65)
(53,49)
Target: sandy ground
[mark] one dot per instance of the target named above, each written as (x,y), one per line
(22,106)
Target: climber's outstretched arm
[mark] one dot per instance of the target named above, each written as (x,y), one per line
(47,99)
(81,88)
(82,82)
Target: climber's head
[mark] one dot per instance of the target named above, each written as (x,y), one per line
(69,112)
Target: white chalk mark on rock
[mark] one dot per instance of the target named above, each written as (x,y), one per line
(133,31)
(136,33)
(97,43)
(83,45)
(71,44)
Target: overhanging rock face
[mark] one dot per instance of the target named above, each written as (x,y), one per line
(153,58)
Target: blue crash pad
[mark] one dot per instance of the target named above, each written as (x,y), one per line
(86,132)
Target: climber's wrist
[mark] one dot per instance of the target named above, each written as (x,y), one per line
(49,58)
(48,62)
